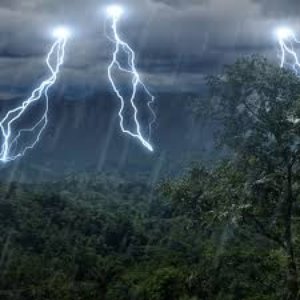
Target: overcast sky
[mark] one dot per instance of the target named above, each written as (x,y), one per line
(177,41)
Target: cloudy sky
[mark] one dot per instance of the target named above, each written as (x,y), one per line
(177,41)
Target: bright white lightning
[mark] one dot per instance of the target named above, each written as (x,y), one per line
(61,33)
(115,12)
(10,139)
(287,41)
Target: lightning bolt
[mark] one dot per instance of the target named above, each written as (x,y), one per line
(287,41)
(9,148)
(122,47)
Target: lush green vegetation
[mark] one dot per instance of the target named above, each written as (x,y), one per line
(227,233)
(112,240)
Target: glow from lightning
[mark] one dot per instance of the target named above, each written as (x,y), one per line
(10,139)
(115,12)
(287,41)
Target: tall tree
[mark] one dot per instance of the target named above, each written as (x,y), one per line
(257,106)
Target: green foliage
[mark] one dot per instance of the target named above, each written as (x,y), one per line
(257,106)
(55,244)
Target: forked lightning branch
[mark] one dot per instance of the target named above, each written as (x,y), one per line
(13,145)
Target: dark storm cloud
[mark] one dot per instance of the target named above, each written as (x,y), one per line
(181,3)
(174,46)
(283,8)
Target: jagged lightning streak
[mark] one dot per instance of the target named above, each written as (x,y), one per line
(115,12)
(287,41)
(54,61)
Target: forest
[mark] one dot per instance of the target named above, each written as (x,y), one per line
(225,231)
